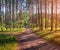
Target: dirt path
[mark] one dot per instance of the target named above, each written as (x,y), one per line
(29,41)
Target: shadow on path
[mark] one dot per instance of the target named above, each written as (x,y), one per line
(29,41)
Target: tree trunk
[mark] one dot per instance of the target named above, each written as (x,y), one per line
(20,12)
(45,14)
(41,15)
(51,15)
(38,17)
(56,18)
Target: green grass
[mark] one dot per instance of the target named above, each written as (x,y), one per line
(11,46)
(7,42)
(12,31)
(53,36)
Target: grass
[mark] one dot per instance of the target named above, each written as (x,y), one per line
(12,31)
(7,42)
(11,46)
(53,37)
(49,36)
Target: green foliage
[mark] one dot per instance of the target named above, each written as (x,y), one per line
(7,42)
(6,39)
(48,35)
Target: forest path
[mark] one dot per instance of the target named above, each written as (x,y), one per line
(29,41)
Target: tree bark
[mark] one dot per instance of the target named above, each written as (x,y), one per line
(51,15)
(41,15)
(56,18)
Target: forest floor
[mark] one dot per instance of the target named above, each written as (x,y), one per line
(30,41)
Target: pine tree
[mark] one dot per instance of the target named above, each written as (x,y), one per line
(51,15)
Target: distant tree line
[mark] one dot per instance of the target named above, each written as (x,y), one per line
(31,13)
(44,13)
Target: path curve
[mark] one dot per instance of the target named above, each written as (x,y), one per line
(29,41)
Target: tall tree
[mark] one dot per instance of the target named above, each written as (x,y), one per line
(0,10)
(56,17)
(48,13)
(20,12)
(38,13)
(13,12)
(41,15)
(51,15)
(0,16)
(45,14)
(32,17)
